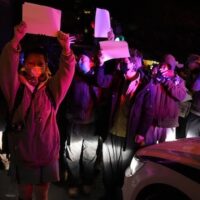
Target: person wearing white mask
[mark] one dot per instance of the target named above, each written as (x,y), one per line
(79,110)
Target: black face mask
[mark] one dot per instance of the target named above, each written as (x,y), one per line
(123,68)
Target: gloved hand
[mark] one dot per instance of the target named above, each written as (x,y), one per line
(160,78)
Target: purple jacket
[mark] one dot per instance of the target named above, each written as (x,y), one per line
(82,99)
(168,95)
(140,115)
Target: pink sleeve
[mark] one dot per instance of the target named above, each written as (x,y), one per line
(61,81)
(9,82)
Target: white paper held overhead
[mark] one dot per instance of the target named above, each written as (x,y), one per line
(102,23)
(41,19)
(114,49)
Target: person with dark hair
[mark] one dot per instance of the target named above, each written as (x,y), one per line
(193,121)
(79,117)
(27,69)
(33,134)
(170,90)
(131,115)
(170,60)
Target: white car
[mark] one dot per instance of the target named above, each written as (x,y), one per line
(166,171)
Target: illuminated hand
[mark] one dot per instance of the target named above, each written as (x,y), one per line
(139,139)
(19,33)
(168,73)
(111,35)
(64,40)
(72,39)
(101,58)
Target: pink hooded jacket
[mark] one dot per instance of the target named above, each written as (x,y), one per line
(39,143)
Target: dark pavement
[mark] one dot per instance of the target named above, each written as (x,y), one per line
(58,191)
(8,190)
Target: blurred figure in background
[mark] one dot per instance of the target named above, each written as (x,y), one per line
(170,90)
(131,109)
(193,123)
(81,145)
(185,104)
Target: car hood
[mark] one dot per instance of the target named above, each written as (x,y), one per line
(185,151)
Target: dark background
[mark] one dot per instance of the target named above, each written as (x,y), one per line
(155,27)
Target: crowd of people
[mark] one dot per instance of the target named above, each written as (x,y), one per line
(91,114)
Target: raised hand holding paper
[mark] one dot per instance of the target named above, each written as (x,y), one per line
(41,19)
(102,23)
(113,49)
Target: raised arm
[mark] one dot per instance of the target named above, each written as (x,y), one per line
(102,80)
(61,81)
(9,62)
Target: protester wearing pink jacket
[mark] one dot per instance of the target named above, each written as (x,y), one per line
(33,133)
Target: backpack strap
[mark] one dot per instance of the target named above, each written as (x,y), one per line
(18,100)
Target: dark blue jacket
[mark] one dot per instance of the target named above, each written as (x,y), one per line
(140,115)
(82,99)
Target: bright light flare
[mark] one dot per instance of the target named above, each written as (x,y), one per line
(135,165)
(170,134)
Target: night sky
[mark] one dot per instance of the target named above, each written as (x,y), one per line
(154,27)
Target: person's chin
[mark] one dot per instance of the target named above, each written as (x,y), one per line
(36,76)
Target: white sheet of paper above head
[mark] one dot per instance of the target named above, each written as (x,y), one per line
(114,49)
(41,19)
(102,23)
